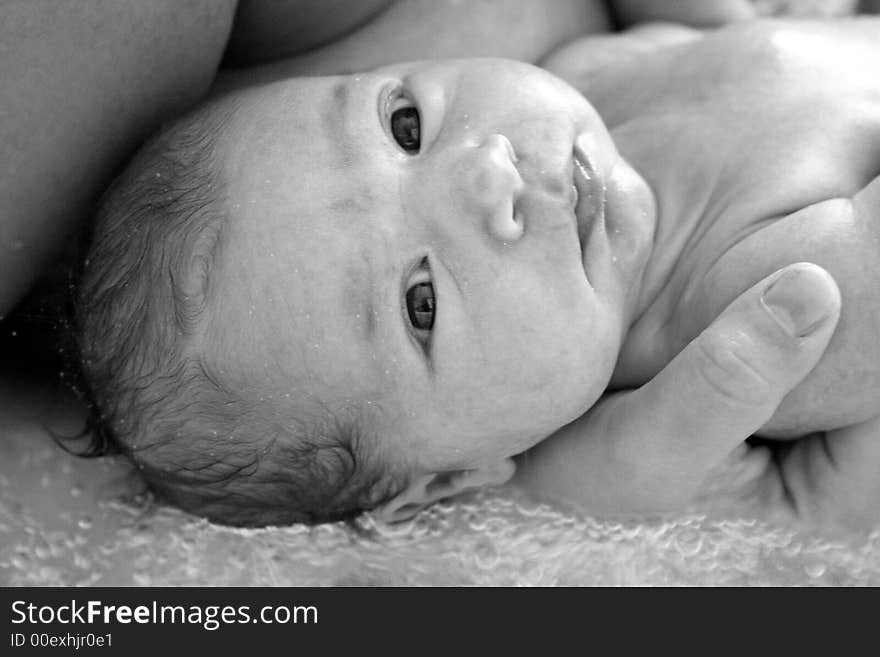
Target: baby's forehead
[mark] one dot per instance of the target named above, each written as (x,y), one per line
(295,281)
(292,134)
(319,117)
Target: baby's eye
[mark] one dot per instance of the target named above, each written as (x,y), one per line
(406,125)
(421,306)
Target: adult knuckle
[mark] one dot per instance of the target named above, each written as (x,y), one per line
(734,374)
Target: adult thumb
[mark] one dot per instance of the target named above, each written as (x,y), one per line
(730,380)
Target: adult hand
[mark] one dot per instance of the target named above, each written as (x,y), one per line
(679,440)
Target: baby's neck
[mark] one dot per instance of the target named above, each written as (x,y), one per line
(652,329)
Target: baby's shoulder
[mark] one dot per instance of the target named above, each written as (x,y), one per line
(788,61)
(760,88)
(773,46)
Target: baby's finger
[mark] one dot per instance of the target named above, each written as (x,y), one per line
(729,381)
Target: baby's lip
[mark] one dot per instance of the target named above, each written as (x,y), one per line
(590,188)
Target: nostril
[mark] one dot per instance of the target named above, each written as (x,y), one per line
(506,224)
(502,143)
(490,187)
(511,153)
(492,170)
(505,220)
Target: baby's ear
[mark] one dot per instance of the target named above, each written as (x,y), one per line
(427,489)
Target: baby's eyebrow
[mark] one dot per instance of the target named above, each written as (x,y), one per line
(360,202)
(336,124)
(357,298)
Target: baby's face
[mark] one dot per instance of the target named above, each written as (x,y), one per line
(451,246)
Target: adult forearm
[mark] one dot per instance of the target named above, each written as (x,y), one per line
(696,13)
(83,84)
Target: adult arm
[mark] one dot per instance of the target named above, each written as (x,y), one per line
(269,34)
(306,38)
(83,84)
(696,13)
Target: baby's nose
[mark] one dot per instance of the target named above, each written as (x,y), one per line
(491,184)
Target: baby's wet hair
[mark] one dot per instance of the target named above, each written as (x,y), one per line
(230,454)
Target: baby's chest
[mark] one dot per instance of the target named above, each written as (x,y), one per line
(787,113)
(775,145)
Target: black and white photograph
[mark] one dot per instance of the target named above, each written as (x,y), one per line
(458,294)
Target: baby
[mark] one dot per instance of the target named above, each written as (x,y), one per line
(325,295)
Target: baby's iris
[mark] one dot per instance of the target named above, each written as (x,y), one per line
(406,128)
(421,305)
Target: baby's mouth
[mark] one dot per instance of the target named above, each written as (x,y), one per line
(590,192)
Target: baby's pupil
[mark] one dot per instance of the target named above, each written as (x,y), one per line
(405,127)
(420,305)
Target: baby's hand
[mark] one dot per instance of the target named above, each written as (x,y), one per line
(679,440)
